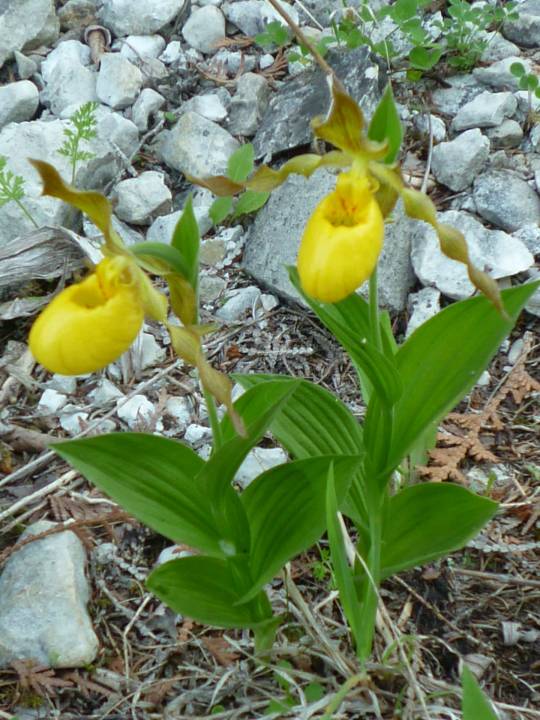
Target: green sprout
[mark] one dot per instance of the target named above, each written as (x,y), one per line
(84,122)
(12,189)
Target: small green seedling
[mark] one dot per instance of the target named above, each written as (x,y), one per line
(12,189)
(275,35)
(476,705)
(239,167)
(84,128)
(529,82)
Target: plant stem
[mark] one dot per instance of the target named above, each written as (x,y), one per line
(374,310)
(370,597)
(28,215)
(214,420)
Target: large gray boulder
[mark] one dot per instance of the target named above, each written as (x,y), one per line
(506,200)
(127,17)
(286,123)
(525,30)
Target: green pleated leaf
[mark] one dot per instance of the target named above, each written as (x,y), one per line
(218,473)
(385,125)
(427,521)
(443,359)
(203,589)
(286,508)
(307,422)
(186,239)
(153,479)
(476,706)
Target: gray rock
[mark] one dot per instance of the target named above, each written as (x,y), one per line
(43,615)
(125,17)
(486,110)
(212,251)
(422,127)
(69,52)
(18,102)
(204,29)
(507,135)
(76,14)
(211,287)
(146,105)
(141,198)
(422,306)
(498,48)
(495,252)
(456,163)
(248,104)
(257,461)
(530,237)
(161,230)
(196,435)
(498,75)
(172,53)
(533,306)
(63,383)
(463,89)
(208,105)
(181,410)
(505,200)
(231,63)
(150,351)
(119,81)
(72,419)
(246,15)
(395,272)
(128,235)
(270,14)
(242,301)
(526,29)
(196,146)
(136,47)
(26,67)
(25,25)
(286,123)
(70,86)
(105,393)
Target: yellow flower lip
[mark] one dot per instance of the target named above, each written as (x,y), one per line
(342,240)
(91,323)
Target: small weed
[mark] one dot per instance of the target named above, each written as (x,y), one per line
(84,128)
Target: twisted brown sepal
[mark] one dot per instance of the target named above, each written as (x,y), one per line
(93,204)
(186,342)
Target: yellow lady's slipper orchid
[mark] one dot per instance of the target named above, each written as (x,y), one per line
(342,240)
(91,323)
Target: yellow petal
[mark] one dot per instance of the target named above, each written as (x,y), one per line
(342,240)
(91,323)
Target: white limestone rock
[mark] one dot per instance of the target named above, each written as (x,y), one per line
(196,146)
(506,200)
(25,25)
(119,81)
(248,104)
(485,111)
(142,198)
(257,461)
(135,47)
(240,302)
(456,163)
(499,254)
(43,615)
(422,306)
(137,412)
(18,102)
(143,17)
(204,29)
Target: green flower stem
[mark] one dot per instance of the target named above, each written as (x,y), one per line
(374,310)
(370,597)
(215,425)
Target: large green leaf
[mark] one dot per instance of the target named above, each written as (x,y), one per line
(475,704)
(424,522)
(349,322)
(386,125)
(186,239)
(443,359)
(203,588)
(307,423)
(314,422)
(168,258)
(153,479)
(286,508)
(218,473)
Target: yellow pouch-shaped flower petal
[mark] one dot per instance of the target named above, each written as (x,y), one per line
(90,324)
(342,240)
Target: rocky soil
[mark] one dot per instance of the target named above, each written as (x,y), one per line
(180,86)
